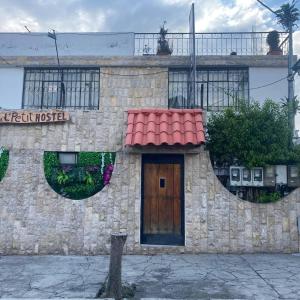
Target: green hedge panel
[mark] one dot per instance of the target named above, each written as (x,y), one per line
(4,158)
(88,177)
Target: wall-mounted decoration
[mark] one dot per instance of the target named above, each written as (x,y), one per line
(4,157)
(29,117)
(78,175)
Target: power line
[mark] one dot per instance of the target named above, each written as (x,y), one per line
(27,28)
(267,7)
(268,84)
(67,33)
(5,60)
(249,89)
(133,75)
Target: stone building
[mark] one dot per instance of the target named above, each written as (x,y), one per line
(132,110)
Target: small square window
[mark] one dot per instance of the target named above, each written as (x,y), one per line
(162,182)
(257,174)
(270,171)
(67,158)
(235,174)
(293,171)
(246,175)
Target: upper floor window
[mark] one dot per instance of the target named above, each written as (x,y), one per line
(216,88)
(76,88)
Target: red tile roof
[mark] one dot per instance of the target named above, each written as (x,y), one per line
(164,127)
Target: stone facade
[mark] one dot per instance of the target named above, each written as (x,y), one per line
(36,220)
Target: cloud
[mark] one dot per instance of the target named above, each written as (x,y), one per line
(239,16)
(133,15)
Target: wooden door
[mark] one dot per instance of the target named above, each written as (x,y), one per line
(162,217)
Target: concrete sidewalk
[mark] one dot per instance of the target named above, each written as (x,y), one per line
(205,276)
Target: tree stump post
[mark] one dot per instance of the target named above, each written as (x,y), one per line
(114,282)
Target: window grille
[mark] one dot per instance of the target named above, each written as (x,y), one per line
(216,89)
(76,88)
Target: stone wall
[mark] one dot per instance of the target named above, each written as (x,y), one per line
(36,220)
(218,221)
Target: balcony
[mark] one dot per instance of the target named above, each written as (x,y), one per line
(214,43)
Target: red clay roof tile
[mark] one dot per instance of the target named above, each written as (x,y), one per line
(164,127)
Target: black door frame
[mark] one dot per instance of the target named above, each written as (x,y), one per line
(164,239)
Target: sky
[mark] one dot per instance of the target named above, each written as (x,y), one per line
(141,16)
(134,15)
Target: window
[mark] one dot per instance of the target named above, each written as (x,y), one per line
(235,174)
(257,174)
(67,158)
(246,175)
(216,88)
(270,171)
(76,88)
(293,171)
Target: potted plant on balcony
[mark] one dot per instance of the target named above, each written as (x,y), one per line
(273,42)
(163,47)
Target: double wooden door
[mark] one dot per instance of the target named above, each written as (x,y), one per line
(162,200)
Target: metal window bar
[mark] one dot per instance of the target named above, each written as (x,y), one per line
(76,88)
(214,43)
(216,88)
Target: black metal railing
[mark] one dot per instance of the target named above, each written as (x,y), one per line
(216,88)
(76,88)
(215,43)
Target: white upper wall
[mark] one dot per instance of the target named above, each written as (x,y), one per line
(262,76)
(69,44)
(11,87)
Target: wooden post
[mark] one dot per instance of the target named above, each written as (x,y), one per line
(114,282)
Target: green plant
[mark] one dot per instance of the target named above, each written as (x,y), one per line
(163,44)
(88,179)
(252,136)
(79,181)
(288,15)
(265,197)
(78,191)
(4,158)
(50,161)
(62,178)
(293,105)
(273,40)
(89,158)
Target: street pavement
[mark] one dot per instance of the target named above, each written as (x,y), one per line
(204,276)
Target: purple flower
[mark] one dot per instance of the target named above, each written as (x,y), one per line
(110,167)
(92,168)
(107,174)
(66,168)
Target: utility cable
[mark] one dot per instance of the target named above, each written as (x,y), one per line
(5,60)
(249,89)
(271,83)
(132,75)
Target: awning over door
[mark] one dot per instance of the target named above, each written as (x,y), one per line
(164,127)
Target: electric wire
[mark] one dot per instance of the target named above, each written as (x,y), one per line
(249,89)
(268,84)
(66,33)
(5,60)
(230,92)
(132,75)
(235,92)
